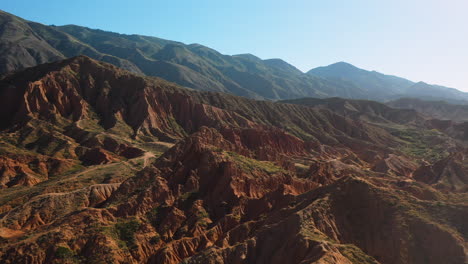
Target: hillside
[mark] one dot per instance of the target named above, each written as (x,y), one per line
(436,109)
(103,165)
(369,111)
(194,66)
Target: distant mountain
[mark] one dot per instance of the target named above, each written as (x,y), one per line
(21,47)
(24,44)
(436,109)
(424,91)
(365,110)
(384,87)
(379,86)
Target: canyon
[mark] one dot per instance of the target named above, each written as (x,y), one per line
(103,165)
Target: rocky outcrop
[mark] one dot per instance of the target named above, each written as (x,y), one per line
(28,170)
(96,156)
(206,200)
(326,172)
(83,99)
(450,174)
(16,173)
(452,128)
(81,88)
(267,143)
(47,208)
(245,182)
(395,165)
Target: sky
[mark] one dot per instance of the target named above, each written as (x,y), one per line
(421,40)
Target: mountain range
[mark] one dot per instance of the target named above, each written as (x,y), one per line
(144,150)
(24,44)
(437,109)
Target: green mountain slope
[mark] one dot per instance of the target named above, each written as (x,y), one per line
(24,44)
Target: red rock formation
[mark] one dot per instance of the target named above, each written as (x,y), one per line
(15,173)
(267,143)
(204,201)
(80,88)
(96,156)
(112,145)
(28,170)
(227,193)
(326,172)
(395,165)
(450,173)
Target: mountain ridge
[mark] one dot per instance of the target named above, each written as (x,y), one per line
(26,44)
(390,87)
(437,109)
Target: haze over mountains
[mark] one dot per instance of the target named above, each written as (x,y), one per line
(25,44)
(101,162)
(437,109)
(386,87)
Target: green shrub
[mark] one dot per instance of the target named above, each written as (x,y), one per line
(126,232)
(155,239)
(63,253)
(249,164)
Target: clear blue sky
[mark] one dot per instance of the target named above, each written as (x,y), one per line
(422,40)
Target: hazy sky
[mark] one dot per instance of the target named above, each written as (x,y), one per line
(422,40)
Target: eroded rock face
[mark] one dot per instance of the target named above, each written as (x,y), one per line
(326,172)
(396,165)
(246,181)
(96,156)
(16,173)
(450,174)
(45,209)
(458,130)
(206,201)
(27,170)
(65,109)
(77,89)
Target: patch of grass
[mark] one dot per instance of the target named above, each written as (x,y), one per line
(64,253)
(203,218)
(74,178)
(356,255)
(155,215)
(126,232)
(249,164)
(7,148)
(315,235)
(190,196)
(156,147)
(75,169)
(202,214)
(121,128)
(422,144)
(177,128)
(137,163)
(91,125)
(123,232)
